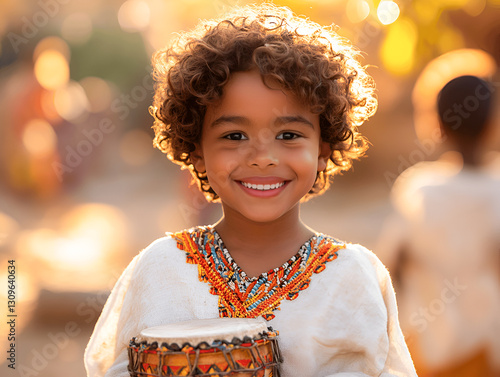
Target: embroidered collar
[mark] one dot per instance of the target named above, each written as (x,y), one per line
(250,297)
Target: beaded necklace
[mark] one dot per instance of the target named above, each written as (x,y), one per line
(241,296)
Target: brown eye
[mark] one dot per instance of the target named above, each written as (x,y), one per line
(235,136)
(287,136)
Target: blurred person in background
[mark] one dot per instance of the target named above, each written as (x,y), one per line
(442,245)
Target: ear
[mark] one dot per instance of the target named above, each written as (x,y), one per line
(197,159)
(325,151)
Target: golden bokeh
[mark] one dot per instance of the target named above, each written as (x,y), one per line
(475,7)
(134,15)
(39,138)
(70,101)
(85,238)
(387,12)
(77,27)
(398,48)
(357,10)
(98,92)
(52,69)
(52,43)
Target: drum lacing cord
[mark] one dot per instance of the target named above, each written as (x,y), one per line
(258,360)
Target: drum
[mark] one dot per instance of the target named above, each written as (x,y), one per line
(240,347)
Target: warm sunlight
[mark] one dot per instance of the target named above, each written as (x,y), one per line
(387,12)
(398,49)
(357,10)
(51,69)
(39,138)
(71,101)
(82,243)
(134,15)
(77,28)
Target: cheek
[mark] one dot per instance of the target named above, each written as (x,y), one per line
(306,165)
(307,158)
(219,170)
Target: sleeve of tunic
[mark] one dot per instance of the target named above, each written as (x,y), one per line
(129,308)
(107,338)
(398,361)
(158,287)
(393,360)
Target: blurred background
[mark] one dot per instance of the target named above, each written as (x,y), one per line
(81,188)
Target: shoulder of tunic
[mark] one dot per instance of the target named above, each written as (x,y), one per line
(161,253)
(358,263)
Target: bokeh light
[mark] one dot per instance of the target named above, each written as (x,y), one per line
(398,48)
(163,22)
(52,43)
(83,242)
(449,39)
(387,12)
(51,69)
(39,138)
(426,12)
(134,15)
(48,107)
(357,10)
(39,243)
(475,7)
(99,93)
(91,233)
(71,101)
(77,28)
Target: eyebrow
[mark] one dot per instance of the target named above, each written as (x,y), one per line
(245,121)
(230,119)
(293,119)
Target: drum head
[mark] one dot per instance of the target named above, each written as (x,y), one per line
(204,330)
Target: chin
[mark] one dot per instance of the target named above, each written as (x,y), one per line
(264,216)
(263,219)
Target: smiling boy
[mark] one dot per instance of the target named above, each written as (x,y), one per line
(262,106)
(261,149)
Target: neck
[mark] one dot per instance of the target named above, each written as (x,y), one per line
(233,225)
(469,150)
(470,156)
(259,246)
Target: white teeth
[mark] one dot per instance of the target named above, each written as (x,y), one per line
(263,187)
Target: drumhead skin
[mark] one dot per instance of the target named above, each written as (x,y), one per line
(204,330)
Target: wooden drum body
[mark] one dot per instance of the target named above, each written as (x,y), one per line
(240,347)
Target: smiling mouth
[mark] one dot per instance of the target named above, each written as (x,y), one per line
(262,187)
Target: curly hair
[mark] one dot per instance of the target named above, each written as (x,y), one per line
(314,63)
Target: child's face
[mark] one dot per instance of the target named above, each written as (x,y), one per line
(261,149)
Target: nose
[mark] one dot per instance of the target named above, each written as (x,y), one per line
(262,153)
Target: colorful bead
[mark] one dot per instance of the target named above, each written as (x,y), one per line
(240,296)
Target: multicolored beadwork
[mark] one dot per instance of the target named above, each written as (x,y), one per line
(244,297)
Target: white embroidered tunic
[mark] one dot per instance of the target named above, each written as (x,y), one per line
(332,303)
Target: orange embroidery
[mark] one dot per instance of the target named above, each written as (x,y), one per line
(261,296)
